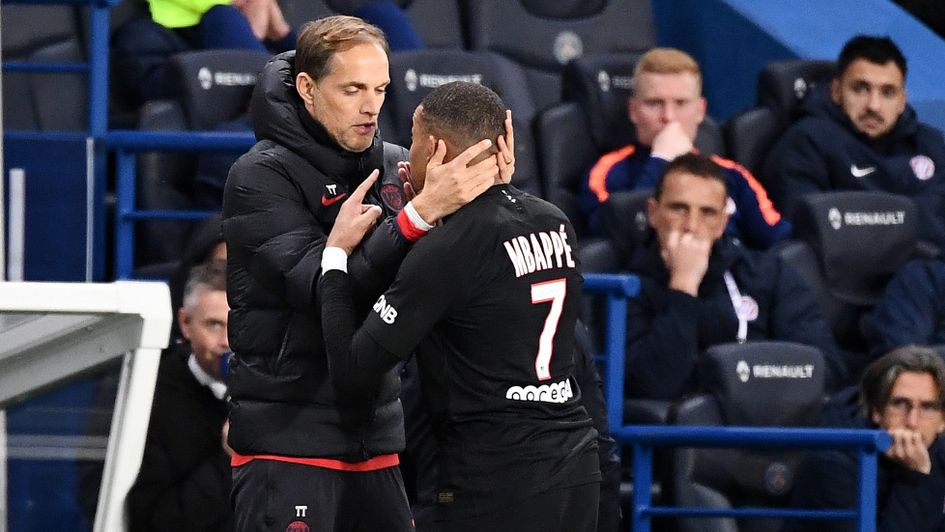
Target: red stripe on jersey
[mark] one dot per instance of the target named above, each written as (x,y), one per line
(378,462)
(410,231)
(597,180)
(770,214)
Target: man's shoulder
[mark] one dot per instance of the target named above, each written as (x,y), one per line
(611,160)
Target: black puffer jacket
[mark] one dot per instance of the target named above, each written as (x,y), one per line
(280,202)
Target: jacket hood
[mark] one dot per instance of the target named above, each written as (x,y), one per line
(647,261)
(279,115)
(818,103)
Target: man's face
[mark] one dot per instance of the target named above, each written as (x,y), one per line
(422,146)
(348,99)
(204,326)
(689,204)
(872,95)
(913,404)
(659,99)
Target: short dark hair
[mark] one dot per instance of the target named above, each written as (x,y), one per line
(879,377)
(695,164)
(879,50)
(321,39)
(207,276)
(463,113)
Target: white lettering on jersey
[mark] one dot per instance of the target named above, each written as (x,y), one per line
(556,392)
(386,311)
(539,251)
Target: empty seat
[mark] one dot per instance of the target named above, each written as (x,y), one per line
(857,240)
(44,101)
(783,84)
(544,36)
(415,73)
(751,134)
(751,384)
(214,87)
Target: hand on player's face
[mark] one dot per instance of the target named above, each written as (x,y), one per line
(449,186)
(355,219)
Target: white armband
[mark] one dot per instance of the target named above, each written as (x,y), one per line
(334,258)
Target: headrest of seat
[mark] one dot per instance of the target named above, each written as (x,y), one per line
(601,84)
(860,238)
(415,73)
(782,84)
(546,43)
(765,383)
(216,85)
(624,221)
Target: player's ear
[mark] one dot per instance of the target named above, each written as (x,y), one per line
(429,147)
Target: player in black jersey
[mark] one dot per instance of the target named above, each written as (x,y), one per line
(489,302)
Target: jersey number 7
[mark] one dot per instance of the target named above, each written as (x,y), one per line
(555,292)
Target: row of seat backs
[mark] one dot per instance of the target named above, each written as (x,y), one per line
(551,159)
(43,101)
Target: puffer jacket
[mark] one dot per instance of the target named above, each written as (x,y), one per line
(280,202)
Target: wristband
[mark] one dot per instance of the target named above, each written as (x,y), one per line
(411,225)
(334,258)
(415,217)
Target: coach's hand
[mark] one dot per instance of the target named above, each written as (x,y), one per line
(449,186)
(354,219)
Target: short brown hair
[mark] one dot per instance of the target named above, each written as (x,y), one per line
(666,61)
(321,39)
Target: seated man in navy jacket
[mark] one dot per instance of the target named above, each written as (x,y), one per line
(666,108)
(700,288)
(912,310)
(860,134)
(902,393)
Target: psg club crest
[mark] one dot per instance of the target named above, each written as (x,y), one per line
(393,196)
(297,526)
(922,166)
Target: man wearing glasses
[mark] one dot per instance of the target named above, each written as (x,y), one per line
(902,393)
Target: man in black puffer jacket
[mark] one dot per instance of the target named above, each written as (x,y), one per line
(304,453)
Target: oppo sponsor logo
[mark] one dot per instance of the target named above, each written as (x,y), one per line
(557,392)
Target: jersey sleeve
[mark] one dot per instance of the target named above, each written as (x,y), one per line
(428,284)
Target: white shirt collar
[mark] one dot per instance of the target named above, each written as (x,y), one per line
(204,378)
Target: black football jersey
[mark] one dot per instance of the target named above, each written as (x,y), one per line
(493,295)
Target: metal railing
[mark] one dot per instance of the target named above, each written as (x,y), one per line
(644,438)
(127,144)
